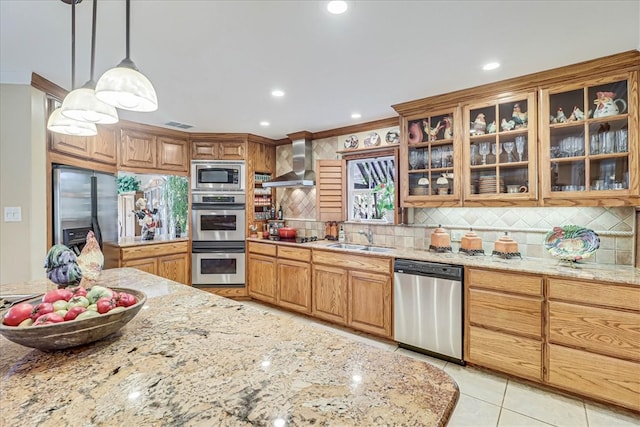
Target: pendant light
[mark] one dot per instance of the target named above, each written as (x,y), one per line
(82,104)
(57,122)
(124,86)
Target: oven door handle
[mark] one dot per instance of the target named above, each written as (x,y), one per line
(217,206)
(217,250)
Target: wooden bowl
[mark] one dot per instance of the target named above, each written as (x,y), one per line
(58,336)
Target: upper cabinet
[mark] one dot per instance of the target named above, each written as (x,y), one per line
(100,148)
(500,150)
(143,151)
(589,141)
(430,159)
(218,150)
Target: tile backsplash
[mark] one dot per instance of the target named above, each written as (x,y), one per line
(528,226)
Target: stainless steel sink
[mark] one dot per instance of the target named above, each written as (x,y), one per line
(376,249)
(346,246)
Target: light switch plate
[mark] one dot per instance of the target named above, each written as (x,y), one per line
(12,214)
(456,235)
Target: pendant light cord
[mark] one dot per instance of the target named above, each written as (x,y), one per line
(93,38)
(127,28)
(73,44)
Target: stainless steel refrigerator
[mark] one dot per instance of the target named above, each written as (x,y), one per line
(83,200)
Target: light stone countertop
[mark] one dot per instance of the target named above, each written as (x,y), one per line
(583,271)
(124,242)
(193,358)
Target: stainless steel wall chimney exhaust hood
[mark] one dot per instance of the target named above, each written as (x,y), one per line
(302,174)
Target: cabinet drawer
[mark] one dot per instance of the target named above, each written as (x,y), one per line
(353,262)
(511,313)
(501,281)
(507,353)
(262,248)
(590,374)
(153,250)
(298,254)
(617,296)
(606,331)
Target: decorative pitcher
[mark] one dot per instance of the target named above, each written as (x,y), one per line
(606,105)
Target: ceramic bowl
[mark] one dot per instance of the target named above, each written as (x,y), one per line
(58,336)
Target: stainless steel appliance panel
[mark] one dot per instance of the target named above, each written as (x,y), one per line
(72,198)
(217,175)
(428,309)
(218,224)
(218,269)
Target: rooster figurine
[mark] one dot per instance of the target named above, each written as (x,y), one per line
(519,118)
(479,124)
(491,127)
(62,267)
(432,132)
(507,125)
(91,258)
(560,117)
(448,127)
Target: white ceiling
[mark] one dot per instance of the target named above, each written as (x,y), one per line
(214,63)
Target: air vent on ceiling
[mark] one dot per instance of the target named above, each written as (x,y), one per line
(179,125)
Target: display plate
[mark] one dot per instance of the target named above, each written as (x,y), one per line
(571,242)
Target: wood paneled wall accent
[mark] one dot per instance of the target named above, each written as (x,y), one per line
(330,190)
(617,63)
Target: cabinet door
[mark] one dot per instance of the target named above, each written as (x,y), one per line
(174,267)
(232,150)
(431,159)
(150,265)
(174,154)
(589,142)
(505,352)
(329,300)
(516,314)
(68,144)
(102,147)
(294,285)
(500,151)
(261,278)
(138,150)
(205,150)
(591,374)
(370,302)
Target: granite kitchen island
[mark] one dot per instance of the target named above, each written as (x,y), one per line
(193,358)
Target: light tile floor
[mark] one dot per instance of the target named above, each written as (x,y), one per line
(492,400)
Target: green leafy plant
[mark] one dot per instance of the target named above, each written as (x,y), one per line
(127,183)
(385,197)
(177,196)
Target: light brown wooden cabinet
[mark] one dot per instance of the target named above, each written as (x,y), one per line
(165,259)
(100,148)
(218,150)
(262,271)
(294,279)
(353,290)
(594,340)
(503,322)
(143,151)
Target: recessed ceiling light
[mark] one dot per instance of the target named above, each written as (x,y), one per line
(337,7)
(278,93)
(264,123)
(491,66)
(356,115)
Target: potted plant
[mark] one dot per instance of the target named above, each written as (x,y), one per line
(128,183)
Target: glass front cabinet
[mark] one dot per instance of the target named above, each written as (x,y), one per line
(431,159)
(500,151)
(589,140)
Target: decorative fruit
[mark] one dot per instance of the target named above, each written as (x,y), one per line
(47,319)
(40,309)
(97,292)
(17,314)
(57,295)
(74,312)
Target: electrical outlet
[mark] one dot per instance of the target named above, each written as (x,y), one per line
(12,214)
(456,235)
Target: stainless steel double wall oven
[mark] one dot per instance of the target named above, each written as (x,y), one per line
(218,223)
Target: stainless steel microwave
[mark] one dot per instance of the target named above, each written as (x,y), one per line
(217,175)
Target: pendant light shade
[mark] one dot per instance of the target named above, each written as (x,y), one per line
(82,104)
(124,86)
(60,124)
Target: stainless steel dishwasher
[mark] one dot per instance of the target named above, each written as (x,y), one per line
(427,303)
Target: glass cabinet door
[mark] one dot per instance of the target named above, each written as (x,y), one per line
(430,162)
(587,140)
(500,149)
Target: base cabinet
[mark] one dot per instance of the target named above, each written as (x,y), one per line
(294,285)
(330,294)
(261,277)
(169,260)
(370,302)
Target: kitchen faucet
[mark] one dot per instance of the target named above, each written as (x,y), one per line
(368,234)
